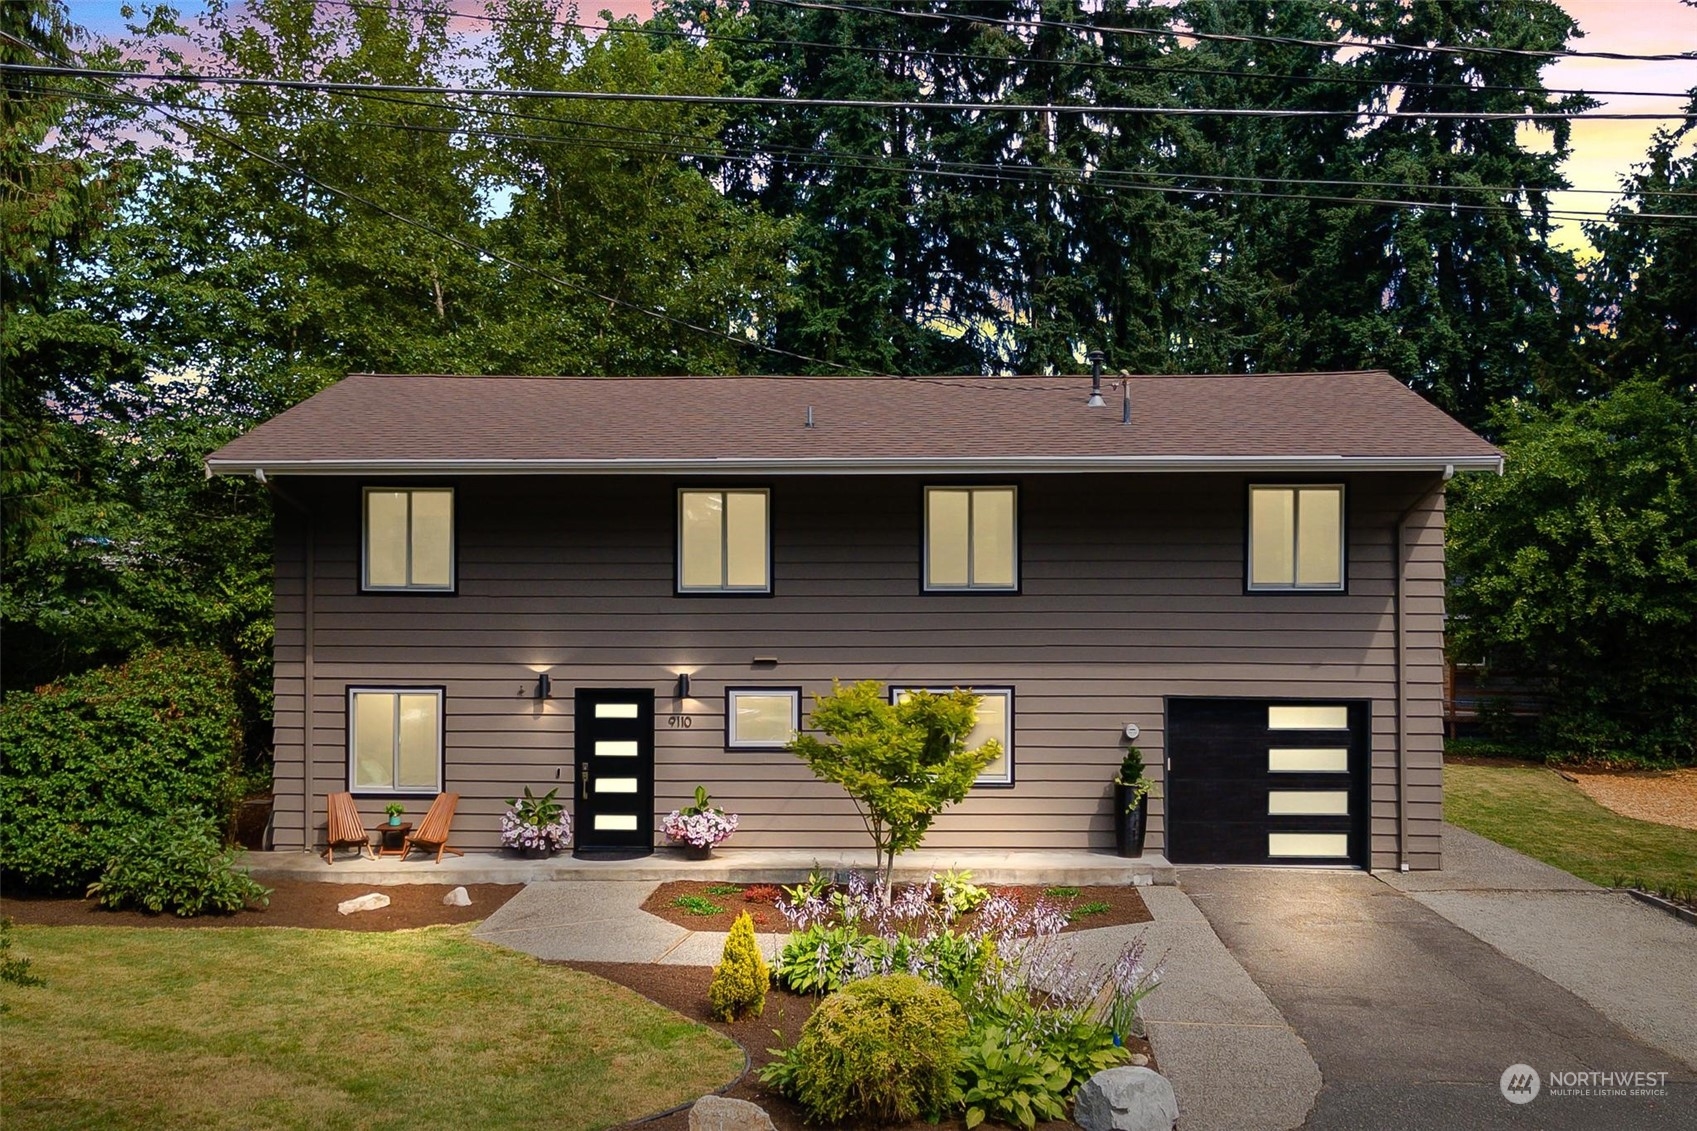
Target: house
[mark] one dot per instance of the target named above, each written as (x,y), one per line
(628,587)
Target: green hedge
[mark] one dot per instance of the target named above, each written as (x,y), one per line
(89,759)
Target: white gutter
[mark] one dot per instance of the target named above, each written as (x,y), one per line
(903,465)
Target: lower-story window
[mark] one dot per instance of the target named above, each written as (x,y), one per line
(995,720)
(395,739)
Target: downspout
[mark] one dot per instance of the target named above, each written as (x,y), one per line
(1399,550)
(309,582)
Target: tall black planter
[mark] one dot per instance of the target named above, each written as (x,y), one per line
(1129,820)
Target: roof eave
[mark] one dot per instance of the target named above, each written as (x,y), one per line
(854,466)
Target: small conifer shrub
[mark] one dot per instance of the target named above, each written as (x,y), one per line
(739,981)
(881,1050)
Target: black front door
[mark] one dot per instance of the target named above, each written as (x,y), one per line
(1267,781)
(615,769)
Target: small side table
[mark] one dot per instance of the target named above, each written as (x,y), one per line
(392,839)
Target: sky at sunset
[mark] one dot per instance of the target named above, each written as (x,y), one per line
(1602,151)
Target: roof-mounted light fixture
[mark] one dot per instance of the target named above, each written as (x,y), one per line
(1096,357)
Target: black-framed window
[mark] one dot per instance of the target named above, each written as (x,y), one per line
(995,720)
(724,540)
(395,740)
(972,539)
(1296,537)
(761,718)
(408,539)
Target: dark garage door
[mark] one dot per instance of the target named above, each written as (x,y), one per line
(1267,781)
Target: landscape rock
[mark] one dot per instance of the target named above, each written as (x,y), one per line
(721,1113)
(459,897)
(1138,1060)
(1126,1099)
(370,902)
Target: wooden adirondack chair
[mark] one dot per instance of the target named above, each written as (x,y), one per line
(344,827)
(433,830)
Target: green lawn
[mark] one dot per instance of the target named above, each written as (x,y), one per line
(1532,810)
(276,1027)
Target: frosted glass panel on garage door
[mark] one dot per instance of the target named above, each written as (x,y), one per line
(1315,845)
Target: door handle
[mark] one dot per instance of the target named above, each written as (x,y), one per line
(583,779)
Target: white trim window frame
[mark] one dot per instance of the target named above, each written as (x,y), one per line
(725,550)
(969,551)
(410,537)
(394,728)
(1293,554)
(734,740)
(1003,779)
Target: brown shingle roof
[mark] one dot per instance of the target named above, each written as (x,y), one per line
(369,422)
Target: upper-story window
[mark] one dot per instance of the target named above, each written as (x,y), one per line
(971,538)
(1296,537)
(409,539)
(724,543)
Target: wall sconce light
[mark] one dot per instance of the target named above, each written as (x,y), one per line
(544,687)
(683,685)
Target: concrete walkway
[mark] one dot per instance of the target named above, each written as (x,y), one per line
(1634,964)
(1412,1019)
(728,865)
(1206,1021)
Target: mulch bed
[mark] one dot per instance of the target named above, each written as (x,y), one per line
(294,903)
(1124,905)
(683,989)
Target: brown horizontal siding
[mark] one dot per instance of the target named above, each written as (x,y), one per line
(1132,593)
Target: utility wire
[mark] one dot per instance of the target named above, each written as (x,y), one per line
(845,103)
(1241,37)
(1097,183)
(699,33)
(1090,180)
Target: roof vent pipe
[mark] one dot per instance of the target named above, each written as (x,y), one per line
(1125,399)
(1095,400)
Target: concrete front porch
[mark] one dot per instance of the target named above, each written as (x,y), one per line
(728,865)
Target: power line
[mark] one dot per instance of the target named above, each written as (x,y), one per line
(1245,37)
(701,33)
(188,78)
(1091,181)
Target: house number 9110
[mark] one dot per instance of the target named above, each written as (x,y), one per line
(684,721)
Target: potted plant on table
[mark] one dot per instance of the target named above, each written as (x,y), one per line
(1131,804)
(536,826)
(394,810)
(699,827)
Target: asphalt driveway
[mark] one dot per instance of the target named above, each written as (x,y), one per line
(1413,1019)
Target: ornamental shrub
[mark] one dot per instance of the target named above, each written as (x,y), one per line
(92,758)
(176,863)
(882,1049)
(739,981)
